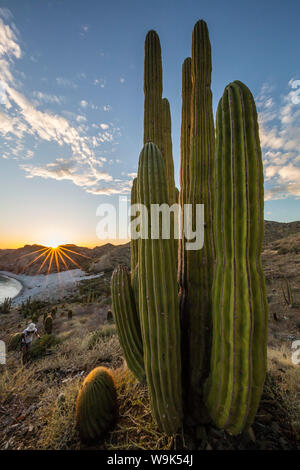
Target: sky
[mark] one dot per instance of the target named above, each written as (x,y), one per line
(71,102)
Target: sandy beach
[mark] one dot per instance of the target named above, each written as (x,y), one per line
(47,287)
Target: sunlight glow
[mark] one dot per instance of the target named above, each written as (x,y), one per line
(50,254)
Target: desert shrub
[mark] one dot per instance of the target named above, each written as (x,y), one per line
(48,324)
(109,316)
(6,306)
(40,346)
(102,333)
(32,308)
(283,250)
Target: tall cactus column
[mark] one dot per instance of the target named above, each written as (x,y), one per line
(158,300)
(199,187)
(184,184)
(157,116)
(238,362)
(153,121)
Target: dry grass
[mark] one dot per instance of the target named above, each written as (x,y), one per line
(286,375)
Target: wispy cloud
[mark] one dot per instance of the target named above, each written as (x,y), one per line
(280,139)
(66,82)
(21,118)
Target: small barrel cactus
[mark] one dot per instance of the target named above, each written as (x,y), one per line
(96,404)
(15,342)
(48,324)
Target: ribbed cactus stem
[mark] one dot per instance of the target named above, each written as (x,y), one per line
(184,178)
(158,301)
(166,150)
(96,404)
(238,362)
(127,321)
(134,243)
(153,126)
(200,263)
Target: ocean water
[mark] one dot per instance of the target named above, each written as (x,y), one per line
(9,287)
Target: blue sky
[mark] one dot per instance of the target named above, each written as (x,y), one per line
(71,102)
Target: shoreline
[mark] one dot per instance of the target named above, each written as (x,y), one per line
(49,287)
(9,275)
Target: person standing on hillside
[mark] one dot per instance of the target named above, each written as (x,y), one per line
(26,340)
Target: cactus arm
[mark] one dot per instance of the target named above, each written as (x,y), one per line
(238,362)
(127,321)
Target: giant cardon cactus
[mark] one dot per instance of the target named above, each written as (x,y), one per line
(96,404)
(221,289)
(158,299)
(127,321)
(238,361)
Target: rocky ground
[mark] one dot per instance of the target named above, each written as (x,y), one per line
(37,401)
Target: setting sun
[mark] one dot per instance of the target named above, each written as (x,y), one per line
(53,242)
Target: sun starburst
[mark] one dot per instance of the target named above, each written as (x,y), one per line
(57,256)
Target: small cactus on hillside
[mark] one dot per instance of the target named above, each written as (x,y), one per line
(96,404)
(15,342)
(48,324)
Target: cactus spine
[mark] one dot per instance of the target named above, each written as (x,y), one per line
(96,404)
(158,300)
(127,321)
(199,187)
(238,362)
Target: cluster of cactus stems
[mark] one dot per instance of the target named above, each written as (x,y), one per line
(196,321)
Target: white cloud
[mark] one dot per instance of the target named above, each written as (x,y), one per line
(47,98)
(22,118)
(83,104)
(6,14)
(80,118)
(107,107)
(100,81)
(122,79)
(280,140)
(66,82)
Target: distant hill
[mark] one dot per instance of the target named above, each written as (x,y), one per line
(30,258)
(277,230)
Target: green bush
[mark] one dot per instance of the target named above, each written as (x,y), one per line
(40,346)
(6,306)
(102,333)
